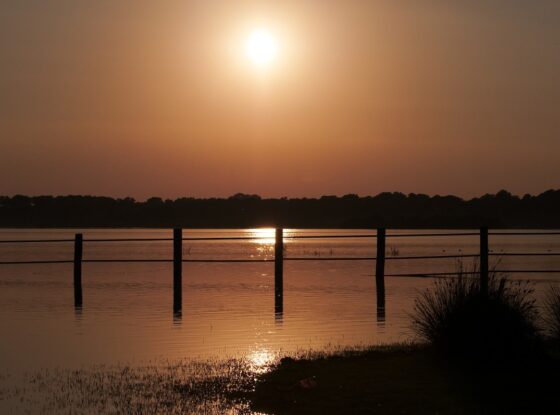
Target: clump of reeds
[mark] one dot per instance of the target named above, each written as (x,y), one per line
(551,313)
(459,319)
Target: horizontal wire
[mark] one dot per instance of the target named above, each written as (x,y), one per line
(35,262)
(433,256)
(528,271)
(127,260)
(26,241)
(128,240)
(523,233)
(401,235)
(286,259)
(227,238)
(228,260)
(329,236)
(524,254)
(432,274)
(449,274)
(257,237)
(330,259)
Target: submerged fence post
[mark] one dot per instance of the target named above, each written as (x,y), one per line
(78,253)
(380,273)
(484,261)
(177,269)
(279,271)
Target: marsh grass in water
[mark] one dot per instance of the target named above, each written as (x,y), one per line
(184,387)
(461,322)
(552,313)
(493,341)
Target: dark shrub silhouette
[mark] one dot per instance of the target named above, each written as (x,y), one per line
(552,313)
(456,318)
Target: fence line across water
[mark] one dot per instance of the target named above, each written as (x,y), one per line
(279,259)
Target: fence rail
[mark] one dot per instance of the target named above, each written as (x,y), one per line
(279,258)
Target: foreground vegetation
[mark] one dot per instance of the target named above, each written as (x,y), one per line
(492,327)
(397,379)
(407,379)
(484,353)
(168,388)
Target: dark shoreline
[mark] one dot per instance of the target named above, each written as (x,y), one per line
(392,379)
(404,379)
(385,210)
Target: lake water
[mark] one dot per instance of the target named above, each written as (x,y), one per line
(228,308)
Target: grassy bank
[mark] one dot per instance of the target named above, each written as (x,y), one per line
(399,379)
(407,379)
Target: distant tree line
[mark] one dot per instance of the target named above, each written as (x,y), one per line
(392,210)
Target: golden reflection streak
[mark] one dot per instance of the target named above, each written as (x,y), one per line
(267,236)
(260,360)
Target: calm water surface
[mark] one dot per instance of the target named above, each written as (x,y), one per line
(228,308)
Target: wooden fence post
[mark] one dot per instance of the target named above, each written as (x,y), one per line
(177,270)
(279,271)
(484,261)
(380,271)
(78,253)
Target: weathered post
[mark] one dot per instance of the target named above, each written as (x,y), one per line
(78,253)
(279,271)
(380,272)
(484,261)
(177,270)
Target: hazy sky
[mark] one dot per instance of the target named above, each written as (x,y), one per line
(141,98)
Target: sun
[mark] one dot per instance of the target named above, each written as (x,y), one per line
(261,47)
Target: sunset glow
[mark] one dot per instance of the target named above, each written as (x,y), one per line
(202,205)
(295,99)
(262,47)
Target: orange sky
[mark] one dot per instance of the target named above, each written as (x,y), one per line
(141,98)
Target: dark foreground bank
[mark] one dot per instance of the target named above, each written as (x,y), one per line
(407,380)
(401,379)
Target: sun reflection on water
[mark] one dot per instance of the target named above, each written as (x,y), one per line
(263,236)
(266,236)
(265,240)
(260,360)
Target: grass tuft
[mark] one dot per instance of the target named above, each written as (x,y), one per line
(459,320)
(552,313)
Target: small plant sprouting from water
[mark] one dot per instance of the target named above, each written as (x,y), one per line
(318,252)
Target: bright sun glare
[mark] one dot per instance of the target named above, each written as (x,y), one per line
(261,47)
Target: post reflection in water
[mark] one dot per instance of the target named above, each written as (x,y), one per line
(271,242)
(381,315)
(278,318)
(78,315)
(278,303)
